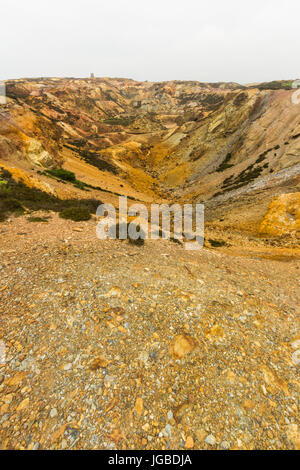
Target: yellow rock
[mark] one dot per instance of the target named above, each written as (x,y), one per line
(139,406)
(249,404)
(16,379)
(189,443)
(59,433)
(18,346)
(114,292)
(4,409)
(8,398)
(216,331)
(293,435)
(201,434)
(273,381)
(98,362)
(283,215)
(23,405)
(117,435)
(230,376)
(38,155)
(182,346)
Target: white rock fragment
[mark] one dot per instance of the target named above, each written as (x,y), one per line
(144,357)
(210,439)
(53,413)
(168,429)
(64,444)
(296,357)
(225,445)
(296,344)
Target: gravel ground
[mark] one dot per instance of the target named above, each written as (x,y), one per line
(113,346)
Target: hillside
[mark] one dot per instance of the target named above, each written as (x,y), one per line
(108,344)
(231,146)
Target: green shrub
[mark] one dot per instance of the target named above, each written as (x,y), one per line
(175,240)
(115,230)
(19,195)
(38,219)
(62,174)
(4,188)
(139,241)
(11,205)
(80,185)
(217,243)
(276,85)
(7,205)
(65,176)
(77,214)
(118,121)
(224,165)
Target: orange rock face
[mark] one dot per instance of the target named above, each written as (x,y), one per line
(186,141)
(283,215)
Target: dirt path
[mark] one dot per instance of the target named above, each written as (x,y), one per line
(110,346)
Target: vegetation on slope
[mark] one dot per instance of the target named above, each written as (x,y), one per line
(16,197)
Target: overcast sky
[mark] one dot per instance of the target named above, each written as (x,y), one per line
(217,40)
